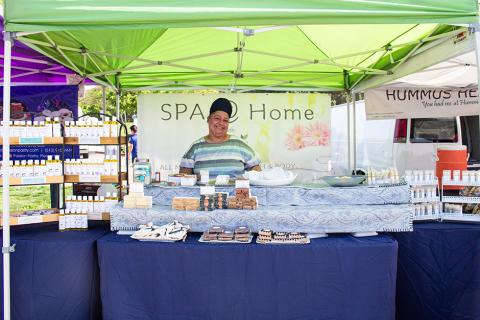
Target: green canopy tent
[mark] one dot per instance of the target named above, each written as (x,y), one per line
(236,46)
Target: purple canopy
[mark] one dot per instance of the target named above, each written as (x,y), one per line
(31,67)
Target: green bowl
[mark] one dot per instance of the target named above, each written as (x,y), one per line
(344,181)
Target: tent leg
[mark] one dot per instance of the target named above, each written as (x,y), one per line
(6,248)
(349,166)
(104,102)
(476,27)
(354,129)
(117,102)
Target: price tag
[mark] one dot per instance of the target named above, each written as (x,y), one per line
(89,178)
(89,140)
(31,140)
(30,219)
(33,180)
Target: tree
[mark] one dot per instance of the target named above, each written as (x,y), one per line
(92,102)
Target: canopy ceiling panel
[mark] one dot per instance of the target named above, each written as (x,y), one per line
(279,43)
(48,15)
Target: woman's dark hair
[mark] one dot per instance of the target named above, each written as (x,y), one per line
(133,128)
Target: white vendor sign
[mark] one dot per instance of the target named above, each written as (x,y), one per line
(417,102)
(287,130)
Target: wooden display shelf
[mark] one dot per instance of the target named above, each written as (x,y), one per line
(34,140)
(16,219)
(94,179)
(26,181)
(94,140)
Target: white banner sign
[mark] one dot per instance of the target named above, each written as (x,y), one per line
(287,130)
(414,102)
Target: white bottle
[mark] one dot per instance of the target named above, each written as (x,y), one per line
(57,166)
(43,165)
(61,221)
(37,171)
(42,129)
(83,221)
(56,128)
(114,127)
(106,166)
(67,219)
(113,166)
(90,204)
(101,204)
(48,127)
(68,202)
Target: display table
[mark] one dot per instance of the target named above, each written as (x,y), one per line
(55,275)
(339,277)
(291,208)
(439,272)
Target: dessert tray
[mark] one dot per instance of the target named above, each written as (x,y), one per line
(225,241)
(170,232)
(272,177)
(266,236)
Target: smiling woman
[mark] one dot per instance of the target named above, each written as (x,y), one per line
(219,152)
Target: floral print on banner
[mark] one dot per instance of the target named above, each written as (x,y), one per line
(315,134)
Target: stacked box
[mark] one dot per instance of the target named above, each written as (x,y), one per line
(185,203)
(249,203)
(207,202)
(136,198)
(221,200)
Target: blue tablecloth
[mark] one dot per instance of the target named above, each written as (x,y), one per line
(55,275)
(339,277)
(439,272)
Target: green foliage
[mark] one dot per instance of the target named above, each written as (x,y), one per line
(92,102)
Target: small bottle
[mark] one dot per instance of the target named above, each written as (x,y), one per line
(37,171)
(41,129)
(113,166)
(43,168)
(101,204)
(35,129)
(83,220)
(48,127)
(68,202)
(106,166)
(105,128)
(114,127)
(58,166)
(90,204)
(68,129)
(56,127)
(61,221)
(68,214)
(74,203)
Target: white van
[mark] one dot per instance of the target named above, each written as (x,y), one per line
(404,143)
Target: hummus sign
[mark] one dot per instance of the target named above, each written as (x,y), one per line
(414,102)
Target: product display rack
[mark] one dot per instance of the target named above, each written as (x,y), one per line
(425,200)
(120,140)
(460,216)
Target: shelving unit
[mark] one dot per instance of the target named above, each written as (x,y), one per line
(119,141)
(460,216)
(430,200)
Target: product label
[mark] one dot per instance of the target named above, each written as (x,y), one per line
(89,140)
(29,219)
(33,180)
(31,140)
(89,178)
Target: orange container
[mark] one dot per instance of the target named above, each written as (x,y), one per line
(450,158)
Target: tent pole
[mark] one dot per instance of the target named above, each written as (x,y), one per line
(476,28)
(348,135)
(6,248)
(354,129)
(117,102)
(104,102)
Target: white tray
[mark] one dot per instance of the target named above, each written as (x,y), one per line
(225,241)
(283,242)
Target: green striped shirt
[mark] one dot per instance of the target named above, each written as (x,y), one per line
(231,157)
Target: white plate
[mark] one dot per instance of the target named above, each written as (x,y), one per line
(157,240)
(229,241)
(280,182)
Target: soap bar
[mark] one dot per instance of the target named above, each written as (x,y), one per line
(206,190)
(136,187)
